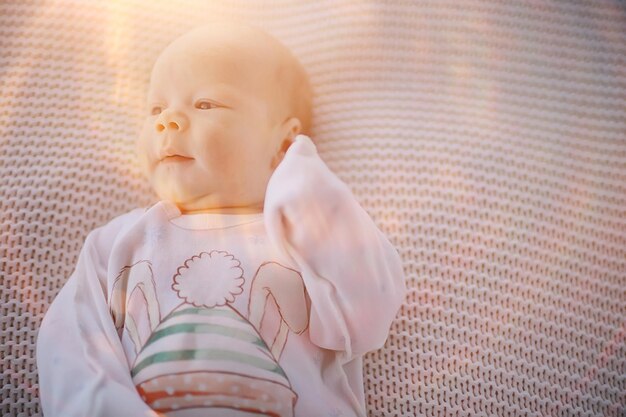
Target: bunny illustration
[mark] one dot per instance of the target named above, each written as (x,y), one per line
(205,346)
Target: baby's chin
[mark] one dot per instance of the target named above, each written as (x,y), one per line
(191,197)
(168,187)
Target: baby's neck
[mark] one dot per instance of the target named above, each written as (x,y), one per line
(225,210)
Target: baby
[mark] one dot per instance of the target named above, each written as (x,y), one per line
(255,284)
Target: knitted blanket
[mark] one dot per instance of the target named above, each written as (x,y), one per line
(486,138)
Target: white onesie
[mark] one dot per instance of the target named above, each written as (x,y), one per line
(225,314)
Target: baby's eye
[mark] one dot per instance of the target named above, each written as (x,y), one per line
(156,110)
(204,105)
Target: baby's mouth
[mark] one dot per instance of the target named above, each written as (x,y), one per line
(175,158)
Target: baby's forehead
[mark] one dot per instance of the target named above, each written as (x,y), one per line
(208,73)
(199,63)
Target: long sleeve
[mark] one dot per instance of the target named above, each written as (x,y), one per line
(82,367)
(353,274)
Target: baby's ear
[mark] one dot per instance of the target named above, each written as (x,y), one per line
(292,127)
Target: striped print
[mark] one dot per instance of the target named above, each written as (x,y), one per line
(218,339)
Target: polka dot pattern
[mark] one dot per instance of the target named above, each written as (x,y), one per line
(210,389)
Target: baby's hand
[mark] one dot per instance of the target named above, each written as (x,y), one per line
(307,193)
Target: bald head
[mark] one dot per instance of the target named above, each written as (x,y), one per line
(253,59)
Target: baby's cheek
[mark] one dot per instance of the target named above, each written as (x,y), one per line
(220,160)
(218,151)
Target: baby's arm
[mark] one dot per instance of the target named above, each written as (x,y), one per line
(81,363)
(353,274)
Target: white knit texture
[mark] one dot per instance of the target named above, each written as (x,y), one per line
(487,139)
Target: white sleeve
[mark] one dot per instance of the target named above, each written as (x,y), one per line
(81,363)
(353,274)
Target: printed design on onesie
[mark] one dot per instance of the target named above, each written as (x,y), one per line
(205,354)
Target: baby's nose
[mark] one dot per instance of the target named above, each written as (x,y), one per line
(171,120)
(172,125)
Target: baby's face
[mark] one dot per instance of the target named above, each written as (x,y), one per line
(210,141)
